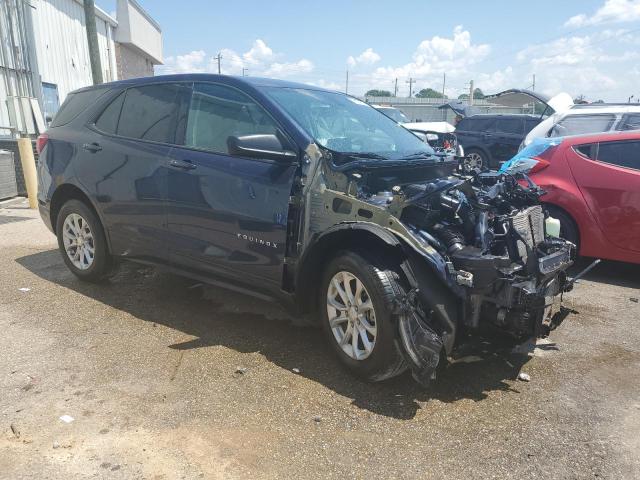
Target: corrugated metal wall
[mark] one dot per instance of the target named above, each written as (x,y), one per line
(61,45)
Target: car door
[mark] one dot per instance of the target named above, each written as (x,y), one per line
(227,215)
(506,139)
(124,166)
(610,185)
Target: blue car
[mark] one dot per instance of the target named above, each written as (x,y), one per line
(305,196)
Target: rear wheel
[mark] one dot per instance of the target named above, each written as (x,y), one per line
(357,299)
(82,242)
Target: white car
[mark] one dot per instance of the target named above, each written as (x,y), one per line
(566,118)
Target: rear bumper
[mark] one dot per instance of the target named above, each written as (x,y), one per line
(45,214)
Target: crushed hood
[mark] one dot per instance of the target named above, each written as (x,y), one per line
(518,97)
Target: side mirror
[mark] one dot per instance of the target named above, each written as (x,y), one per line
(260,146)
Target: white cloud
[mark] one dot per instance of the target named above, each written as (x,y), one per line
(189,62)
(288,69)
(368,57)
(260,59)
(612,11)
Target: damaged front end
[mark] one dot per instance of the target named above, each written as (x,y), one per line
(476,246)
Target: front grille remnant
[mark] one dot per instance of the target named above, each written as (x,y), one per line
(529,224)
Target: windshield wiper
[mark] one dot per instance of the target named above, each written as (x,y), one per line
(418,155)
(365,155)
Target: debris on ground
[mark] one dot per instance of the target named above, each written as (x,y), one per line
(295,370)
(525,377)
(240,371)
(67,418)
(195,285)
(24,289)
(317,419)
(633,299)
(15,430)
(56,445)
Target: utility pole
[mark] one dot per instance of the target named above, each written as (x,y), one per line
(244,70)
(346,85)
(218,58)
(411,81)
(92,40)
(444,82)
(471,93)
(533,85)
(629,100)
(395,89)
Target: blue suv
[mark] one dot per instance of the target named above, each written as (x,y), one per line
(306,196)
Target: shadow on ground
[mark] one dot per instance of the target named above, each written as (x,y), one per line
(613,273)
(241,324)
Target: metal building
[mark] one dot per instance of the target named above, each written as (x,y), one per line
(44,55)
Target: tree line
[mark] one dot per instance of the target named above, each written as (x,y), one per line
(426,93)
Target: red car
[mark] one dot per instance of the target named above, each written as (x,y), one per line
(593,188)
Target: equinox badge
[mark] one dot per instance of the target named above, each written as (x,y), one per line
(259,241)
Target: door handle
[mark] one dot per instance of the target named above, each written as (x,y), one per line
(92,147)
(182,164)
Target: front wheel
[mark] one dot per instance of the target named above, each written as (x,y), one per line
(357,299)
(475,159)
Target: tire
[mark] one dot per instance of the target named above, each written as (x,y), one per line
(89,268)
(475,158)
(568,228)
(381,287)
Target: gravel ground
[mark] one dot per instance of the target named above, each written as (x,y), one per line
(150,368)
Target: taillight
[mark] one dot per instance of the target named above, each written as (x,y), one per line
(41,142)
(541,165)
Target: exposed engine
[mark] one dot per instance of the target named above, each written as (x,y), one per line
(490,228)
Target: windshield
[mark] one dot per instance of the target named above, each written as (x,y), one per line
(349,126)
(394,114)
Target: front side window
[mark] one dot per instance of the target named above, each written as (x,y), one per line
(582,124)
(347,125)
(622,154)
(218,112)
(151,112)
(481,124)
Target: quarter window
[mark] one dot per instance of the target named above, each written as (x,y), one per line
(218,112)
(151,112)
(108,120)
(630,121)
(622,154)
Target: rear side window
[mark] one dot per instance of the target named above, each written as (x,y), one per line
(218,112)
(630,121)
(582,124)
(622,154)
(510,125)
(76,103)
(151,112)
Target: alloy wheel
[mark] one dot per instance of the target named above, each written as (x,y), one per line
(78,241)
(352,317)
(473,160)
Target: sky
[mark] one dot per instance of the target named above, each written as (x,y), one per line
(583,47)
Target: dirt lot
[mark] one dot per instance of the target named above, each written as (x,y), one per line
(146,367)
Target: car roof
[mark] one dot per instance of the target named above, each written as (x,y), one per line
(207,77)
(602,137)
(503,115)
(603,108)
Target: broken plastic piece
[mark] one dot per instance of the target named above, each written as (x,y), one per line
(67,418)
